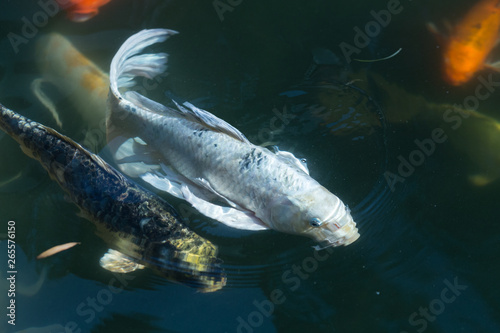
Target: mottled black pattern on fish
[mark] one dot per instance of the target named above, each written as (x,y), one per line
(118,205)
(251,158)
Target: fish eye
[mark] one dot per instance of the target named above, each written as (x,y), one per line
(303,160)
(315,222)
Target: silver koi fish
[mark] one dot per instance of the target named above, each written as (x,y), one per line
(193,155)
(141,228)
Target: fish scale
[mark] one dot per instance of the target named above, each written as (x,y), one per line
(222,165)
(134,221)
(207,157)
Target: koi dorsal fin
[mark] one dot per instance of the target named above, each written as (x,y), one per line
(209,120)
(293,161)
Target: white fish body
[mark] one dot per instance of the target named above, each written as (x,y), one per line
(209,163)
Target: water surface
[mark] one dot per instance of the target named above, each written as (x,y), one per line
(427,257)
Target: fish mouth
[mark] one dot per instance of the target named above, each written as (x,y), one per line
(333,235)
(349,234)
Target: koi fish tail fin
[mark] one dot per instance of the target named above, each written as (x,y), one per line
(127,64)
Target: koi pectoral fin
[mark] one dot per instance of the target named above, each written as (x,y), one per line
(289,158)
(231,217)
(163,184)
(433,29)
(199,194)
(439,34)
(168,180)
(36,88)
(133,156)
(11,179)
(117,262)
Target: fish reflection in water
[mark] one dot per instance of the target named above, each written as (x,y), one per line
(343,110)
(141,228)
(474,136)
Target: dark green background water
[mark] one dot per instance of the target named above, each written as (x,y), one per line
(427,259)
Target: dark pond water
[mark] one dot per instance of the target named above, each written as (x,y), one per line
(390,138)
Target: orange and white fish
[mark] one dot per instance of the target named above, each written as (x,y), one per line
(76,77)
(81,10)
(471,41)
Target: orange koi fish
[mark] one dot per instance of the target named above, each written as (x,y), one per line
(75,77)
(471,41)
(81,10)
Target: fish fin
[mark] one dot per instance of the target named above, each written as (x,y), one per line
(36,88)
(170,181)
(78,147)
(207,119)
(117,262)
(231,217)
(126,64)
(27,151)
(293,161)
(163,184)
(133,156)
(269,144)
(125,67)
(11,179)
(146,103)
(494,66)
(434,30)
(209,194)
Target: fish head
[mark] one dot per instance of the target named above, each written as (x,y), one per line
(315,213)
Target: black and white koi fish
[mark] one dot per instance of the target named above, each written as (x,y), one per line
(203,159)
(141,228)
